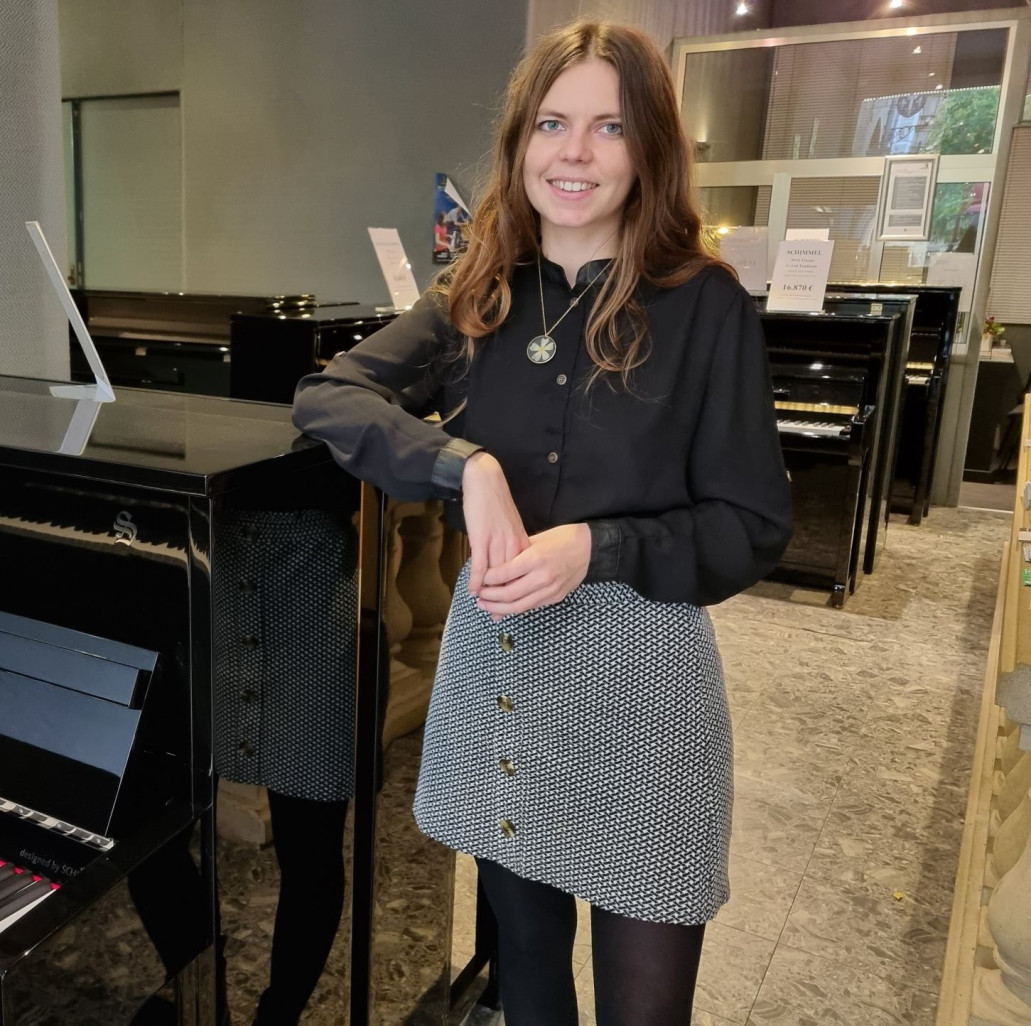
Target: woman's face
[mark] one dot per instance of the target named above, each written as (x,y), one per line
(577,172)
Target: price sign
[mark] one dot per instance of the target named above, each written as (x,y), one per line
(800,275)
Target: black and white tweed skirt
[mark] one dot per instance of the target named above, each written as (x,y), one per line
(586,745)
(285,587)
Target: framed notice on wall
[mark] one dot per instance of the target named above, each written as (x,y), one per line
(907,194)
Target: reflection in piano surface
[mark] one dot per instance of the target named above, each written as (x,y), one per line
(105,671)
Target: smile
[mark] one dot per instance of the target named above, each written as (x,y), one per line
(568,186)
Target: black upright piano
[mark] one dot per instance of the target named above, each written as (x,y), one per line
(107,884)
(836,377)
(926,376)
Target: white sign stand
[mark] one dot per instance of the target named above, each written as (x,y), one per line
(397,271)
(747,250)
(800,276)
(101,391)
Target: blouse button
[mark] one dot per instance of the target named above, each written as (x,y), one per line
(506,641)
(507,827)
(245,748)
(561,379)
(505,704)
(553,457)
(507,767)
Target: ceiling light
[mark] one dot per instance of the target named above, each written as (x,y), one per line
(895,4)
(930,74)
(918,50)
(742,8)
(938,86)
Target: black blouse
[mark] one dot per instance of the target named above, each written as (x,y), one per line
(680,479)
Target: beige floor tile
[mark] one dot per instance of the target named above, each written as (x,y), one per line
(912,847)
(582,944)
(801,769)
(463,934)
(585,995)
(760,897)
(862,924)
(700,1017)
(774,828)
(732,969)
(804,990)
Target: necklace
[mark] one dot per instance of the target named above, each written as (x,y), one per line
(542,348)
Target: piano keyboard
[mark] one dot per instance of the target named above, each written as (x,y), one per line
(814,428)
(824,408)
(20,892)
(102,540)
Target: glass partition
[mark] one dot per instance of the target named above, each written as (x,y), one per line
(935,93)
(955,228)
(728,206)
(847,208)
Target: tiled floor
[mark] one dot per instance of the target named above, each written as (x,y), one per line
(854,734)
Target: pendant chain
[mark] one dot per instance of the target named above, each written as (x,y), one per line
(572,305)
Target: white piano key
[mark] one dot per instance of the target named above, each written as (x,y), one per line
(15,916)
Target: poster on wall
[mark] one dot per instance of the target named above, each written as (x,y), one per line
(449,214)
(907,194)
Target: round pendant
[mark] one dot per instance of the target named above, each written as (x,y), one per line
(541,349)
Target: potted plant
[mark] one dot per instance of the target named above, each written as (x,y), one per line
(991,335)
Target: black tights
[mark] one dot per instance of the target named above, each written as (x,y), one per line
(644,973)
(309,839)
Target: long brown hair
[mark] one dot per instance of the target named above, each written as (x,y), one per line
(660,239)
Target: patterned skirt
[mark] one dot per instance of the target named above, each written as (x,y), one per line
(586,745)
(285,645)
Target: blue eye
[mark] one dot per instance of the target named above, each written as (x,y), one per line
(612,128)
(549,125)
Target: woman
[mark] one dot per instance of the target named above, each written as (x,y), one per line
(611,444)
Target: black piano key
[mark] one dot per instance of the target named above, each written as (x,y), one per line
(38,888)
(12,885)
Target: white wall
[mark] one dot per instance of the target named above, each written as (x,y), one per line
(303,123)
(120,46)
(33,328)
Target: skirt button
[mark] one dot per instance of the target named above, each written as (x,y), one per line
(506,641)
(507,827)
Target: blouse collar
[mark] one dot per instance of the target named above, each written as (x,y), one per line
(552,272)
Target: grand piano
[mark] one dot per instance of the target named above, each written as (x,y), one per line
(246,346)
(108,912)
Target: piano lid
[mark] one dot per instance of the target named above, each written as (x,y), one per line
(186,443)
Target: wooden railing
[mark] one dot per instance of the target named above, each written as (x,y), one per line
(986,978)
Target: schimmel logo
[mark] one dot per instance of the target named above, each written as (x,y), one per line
(124,528)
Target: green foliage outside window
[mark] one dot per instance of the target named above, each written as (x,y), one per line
(964,122)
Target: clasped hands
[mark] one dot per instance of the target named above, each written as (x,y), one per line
(511,572)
